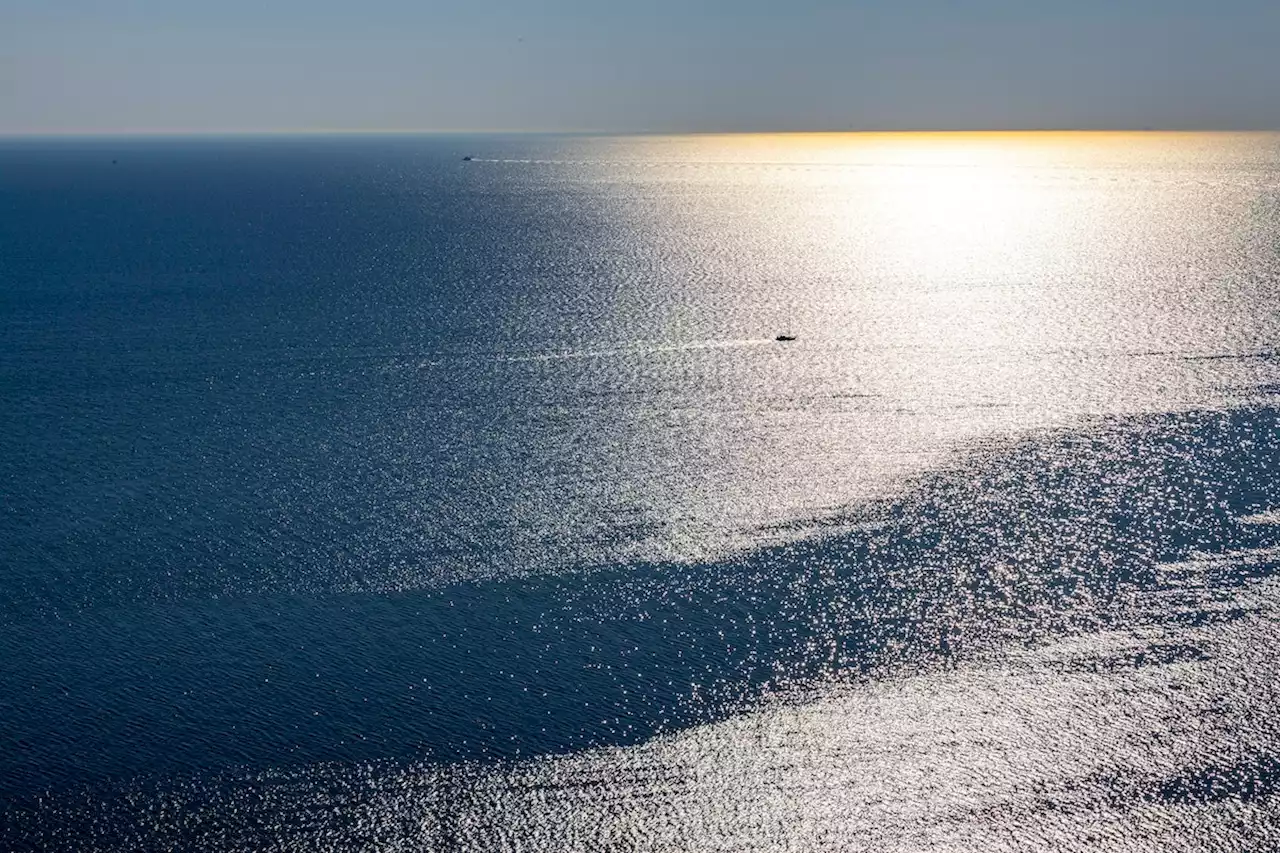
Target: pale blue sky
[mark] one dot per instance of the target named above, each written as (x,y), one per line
(179,65)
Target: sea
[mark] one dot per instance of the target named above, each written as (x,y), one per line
(455,492)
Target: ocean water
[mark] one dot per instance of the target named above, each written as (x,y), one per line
(357,496)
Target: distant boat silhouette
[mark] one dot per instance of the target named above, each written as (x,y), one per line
(785,338)
(466,159)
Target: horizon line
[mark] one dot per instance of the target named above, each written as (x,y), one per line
(248,132)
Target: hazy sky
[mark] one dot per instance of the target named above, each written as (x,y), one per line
(128,65)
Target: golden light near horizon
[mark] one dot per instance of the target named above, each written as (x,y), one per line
(956,266)
(956,228)
(970,206)
(951,206)
(952,234)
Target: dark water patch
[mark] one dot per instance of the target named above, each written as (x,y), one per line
(1253,779)
(1266,388)
(1196,616)
(1154,654)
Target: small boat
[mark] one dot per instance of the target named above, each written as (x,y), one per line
(785,338)
(467,159)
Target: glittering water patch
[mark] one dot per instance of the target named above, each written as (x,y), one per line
(1041,632)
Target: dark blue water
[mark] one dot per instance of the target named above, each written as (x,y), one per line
(321,454)
(197,346)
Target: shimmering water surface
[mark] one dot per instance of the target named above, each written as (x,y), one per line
(357,496)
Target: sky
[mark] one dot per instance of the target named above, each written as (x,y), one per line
(91,66)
